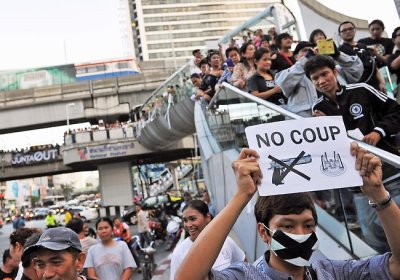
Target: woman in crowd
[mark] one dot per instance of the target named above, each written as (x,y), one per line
(109,259)
(232,58)
(245,68)
(195,218)
(316,35)
(207,87)
(262,83)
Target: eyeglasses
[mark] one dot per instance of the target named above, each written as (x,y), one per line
(347,30)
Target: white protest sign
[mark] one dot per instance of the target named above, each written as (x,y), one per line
(310,154)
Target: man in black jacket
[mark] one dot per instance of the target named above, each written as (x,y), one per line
(362,106)
(376,116)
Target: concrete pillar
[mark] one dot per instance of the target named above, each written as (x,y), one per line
(175,176)
(116,184)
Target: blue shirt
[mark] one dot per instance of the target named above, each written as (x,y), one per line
(376,267)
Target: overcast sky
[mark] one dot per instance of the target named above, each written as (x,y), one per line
(51,32)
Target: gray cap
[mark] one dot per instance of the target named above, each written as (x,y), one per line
(56,239)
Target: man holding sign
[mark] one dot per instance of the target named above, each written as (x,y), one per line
(287,224)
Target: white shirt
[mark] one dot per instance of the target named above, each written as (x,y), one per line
(229,254)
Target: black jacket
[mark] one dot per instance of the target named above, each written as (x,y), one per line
(366,108)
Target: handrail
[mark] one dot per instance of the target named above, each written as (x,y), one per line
(164,83)
(384,155)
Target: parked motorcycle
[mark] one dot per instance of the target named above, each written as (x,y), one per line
(174,230)
(146,257)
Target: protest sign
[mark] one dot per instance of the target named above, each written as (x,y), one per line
(309,154)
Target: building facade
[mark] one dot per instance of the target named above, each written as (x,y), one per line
(166,29)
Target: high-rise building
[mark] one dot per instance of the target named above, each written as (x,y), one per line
(165,29)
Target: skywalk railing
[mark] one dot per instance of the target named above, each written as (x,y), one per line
(174,90)
(232,110)
(235,101)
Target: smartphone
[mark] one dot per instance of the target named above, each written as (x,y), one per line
(326,46)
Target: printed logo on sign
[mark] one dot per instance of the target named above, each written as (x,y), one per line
(356,111)
(332,166)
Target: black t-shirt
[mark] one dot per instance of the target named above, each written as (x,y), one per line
(258,83)
(281,63)
(208,83)
(390,60)
(8,276)
(368,60)
(385,46)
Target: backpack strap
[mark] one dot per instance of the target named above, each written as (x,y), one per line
(310,272)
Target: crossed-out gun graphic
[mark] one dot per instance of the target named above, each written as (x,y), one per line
(282,167)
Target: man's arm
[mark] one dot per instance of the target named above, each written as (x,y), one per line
(370,168)
(351,67)
(91,272)
(394,64)
(389,109)
(288,79)
(201,257)
(126,274)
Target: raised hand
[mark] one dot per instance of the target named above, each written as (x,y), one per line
(247,172)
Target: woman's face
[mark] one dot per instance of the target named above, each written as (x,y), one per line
(104,230)
(16,252)
(215,60)
(250,50)
(319,36)
(86,229)
(194,222)
(235,56)
(264,63)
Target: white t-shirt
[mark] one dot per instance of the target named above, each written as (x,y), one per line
(230,253)
(109,262)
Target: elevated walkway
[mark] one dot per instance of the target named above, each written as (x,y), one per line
(220,133)
(81,101)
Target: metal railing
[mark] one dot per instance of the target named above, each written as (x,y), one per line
(232,110)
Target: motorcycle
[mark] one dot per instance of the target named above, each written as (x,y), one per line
(174,230)
(146,257)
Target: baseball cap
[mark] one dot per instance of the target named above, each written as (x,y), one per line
(56,239)
(301,45)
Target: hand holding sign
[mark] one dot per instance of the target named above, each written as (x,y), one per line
(247,171)
(303,155)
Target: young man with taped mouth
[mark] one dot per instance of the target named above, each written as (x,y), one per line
(287,224)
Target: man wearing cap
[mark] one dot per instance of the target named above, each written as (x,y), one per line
(58,255)
(300,91)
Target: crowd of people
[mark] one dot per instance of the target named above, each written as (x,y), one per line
(32,149)
(343,81)
(69,252)
(77,252)
(318,77)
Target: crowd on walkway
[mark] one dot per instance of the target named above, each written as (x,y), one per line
(341,80)
(32,149)
(317,78)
